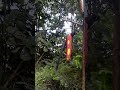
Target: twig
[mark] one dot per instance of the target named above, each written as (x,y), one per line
(40,57)
(73,22)
(13,75)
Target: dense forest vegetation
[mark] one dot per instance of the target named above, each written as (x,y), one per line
(33,45)
(69,74)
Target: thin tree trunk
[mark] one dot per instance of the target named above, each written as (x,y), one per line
(83,11)
(85,52)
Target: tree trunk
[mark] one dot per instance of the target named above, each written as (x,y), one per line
(116,47)
(116,54)
(85,52)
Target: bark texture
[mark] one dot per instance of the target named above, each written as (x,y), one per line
(85,52)
(116,46)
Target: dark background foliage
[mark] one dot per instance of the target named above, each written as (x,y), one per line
(17,44)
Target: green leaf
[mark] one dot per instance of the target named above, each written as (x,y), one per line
(78,61)
(105,71)
(40,39)
(11,41)
(20,25)
(45,49)
(11,29)
(25,56)
(20,35)
(15,50)
(20,1)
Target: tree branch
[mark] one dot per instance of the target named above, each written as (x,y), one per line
(73,22)
(13,75)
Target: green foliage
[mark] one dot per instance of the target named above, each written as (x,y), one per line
(78,61)
(68,76)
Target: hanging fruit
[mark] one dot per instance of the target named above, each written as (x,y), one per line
(69,46)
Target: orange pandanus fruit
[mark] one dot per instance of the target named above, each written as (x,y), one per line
(69,46)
